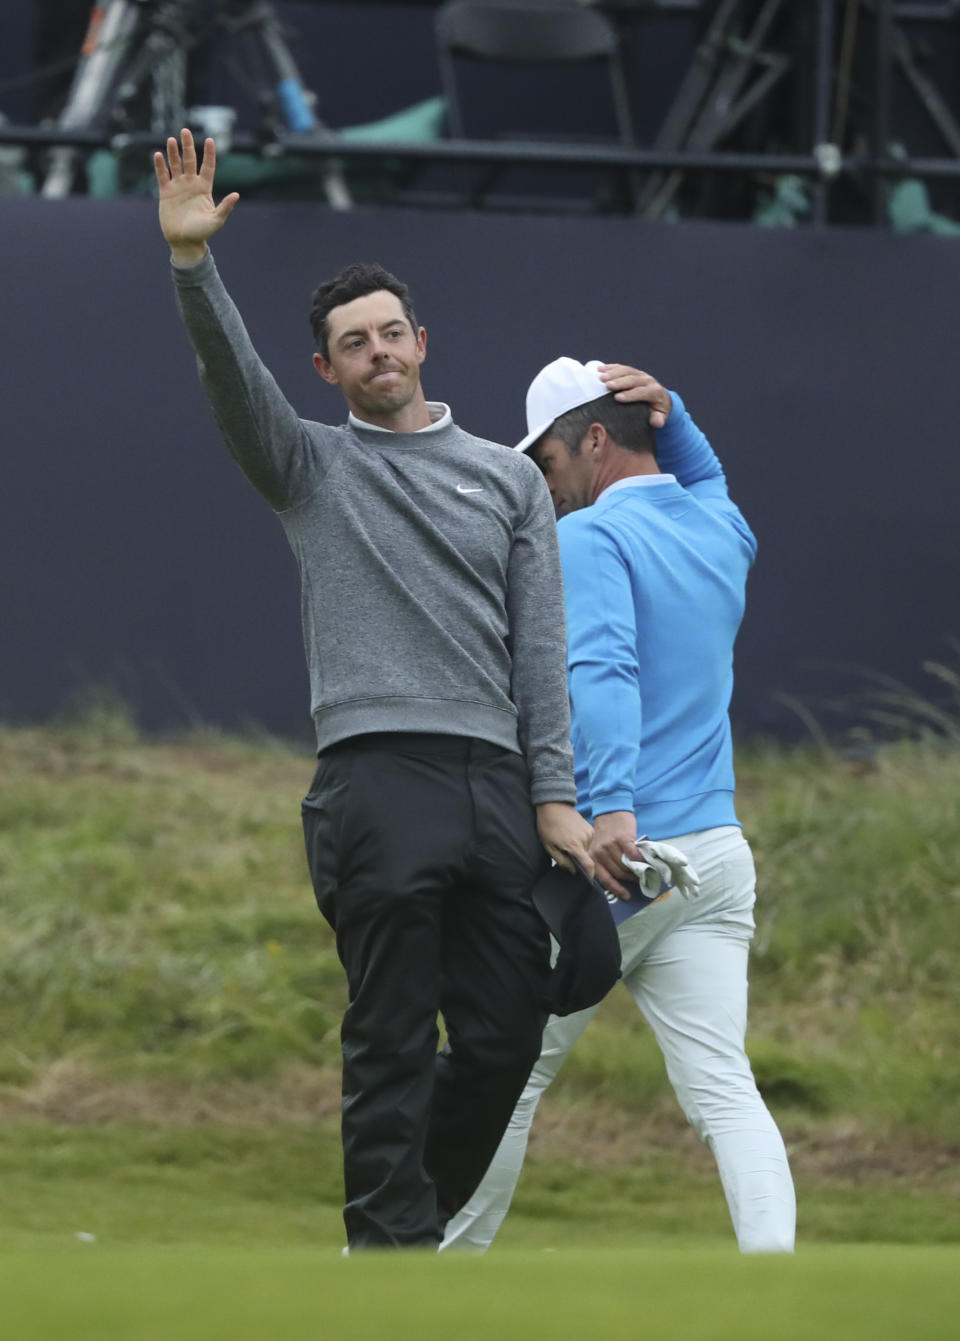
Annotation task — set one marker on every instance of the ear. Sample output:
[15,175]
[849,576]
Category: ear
[326,369]
[421,344]
[597,439]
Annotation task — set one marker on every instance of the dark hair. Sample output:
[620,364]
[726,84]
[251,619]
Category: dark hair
[627,424]
[356,281]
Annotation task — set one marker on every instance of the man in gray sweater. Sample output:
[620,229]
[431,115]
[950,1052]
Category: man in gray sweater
[433,626]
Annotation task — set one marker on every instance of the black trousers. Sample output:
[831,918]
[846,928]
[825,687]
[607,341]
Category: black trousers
[423,850]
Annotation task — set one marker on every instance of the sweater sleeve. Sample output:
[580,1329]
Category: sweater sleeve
[262,431]
[537,646]
[683,450]
[604,674]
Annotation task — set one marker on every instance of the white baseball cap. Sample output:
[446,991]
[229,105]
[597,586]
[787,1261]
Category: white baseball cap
[561,386]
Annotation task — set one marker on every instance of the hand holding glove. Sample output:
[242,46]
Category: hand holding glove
[662,867]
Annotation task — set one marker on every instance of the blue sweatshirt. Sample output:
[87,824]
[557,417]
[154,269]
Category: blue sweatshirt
[654,579]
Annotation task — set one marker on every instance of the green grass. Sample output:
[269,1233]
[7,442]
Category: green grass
[852,1294]
[170,1002]
[156,910]
[151,1185]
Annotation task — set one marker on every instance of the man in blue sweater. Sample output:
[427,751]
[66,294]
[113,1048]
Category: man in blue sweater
[655,559]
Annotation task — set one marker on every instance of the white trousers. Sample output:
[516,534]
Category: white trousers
[685,965]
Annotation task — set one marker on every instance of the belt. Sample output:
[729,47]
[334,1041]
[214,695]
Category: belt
[420,742]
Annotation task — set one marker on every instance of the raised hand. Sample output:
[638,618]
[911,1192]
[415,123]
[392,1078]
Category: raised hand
[188,215]
[630,384]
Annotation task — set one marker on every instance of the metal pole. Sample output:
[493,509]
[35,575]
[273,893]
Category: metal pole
[845,72]
[524,152]
[109,37]
[295,100]
[822,87]
[882,91]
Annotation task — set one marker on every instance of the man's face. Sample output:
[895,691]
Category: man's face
[374,354]
[569,478]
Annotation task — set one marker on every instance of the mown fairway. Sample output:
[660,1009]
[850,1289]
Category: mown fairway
[841,1293]
[169,1013]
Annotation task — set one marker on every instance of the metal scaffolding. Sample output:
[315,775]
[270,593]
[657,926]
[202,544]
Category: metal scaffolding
[738,65]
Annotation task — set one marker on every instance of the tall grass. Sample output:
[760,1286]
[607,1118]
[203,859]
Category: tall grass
[158,919]
[162,962]
[156,912]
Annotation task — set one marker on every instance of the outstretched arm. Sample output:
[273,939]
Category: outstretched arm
[261,430]
[188,215]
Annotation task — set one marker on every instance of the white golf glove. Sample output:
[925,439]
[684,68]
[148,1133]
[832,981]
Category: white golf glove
[662,867]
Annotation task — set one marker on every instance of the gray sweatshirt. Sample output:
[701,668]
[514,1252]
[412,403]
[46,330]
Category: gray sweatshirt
[431,595]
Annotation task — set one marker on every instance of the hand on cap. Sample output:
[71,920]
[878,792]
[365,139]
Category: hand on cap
[630,385]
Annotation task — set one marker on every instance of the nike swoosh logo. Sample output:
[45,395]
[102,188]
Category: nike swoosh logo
[463,489]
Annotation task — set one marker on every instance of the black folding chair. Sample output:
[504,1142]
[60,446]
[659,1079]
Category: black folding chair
[533,33]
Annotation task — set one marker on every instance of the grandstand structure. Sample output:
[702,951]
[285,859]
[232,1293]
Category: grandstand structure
[774,110]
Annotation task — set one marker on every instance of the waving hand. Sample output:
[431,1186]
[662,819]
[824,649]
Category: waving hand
[188,215]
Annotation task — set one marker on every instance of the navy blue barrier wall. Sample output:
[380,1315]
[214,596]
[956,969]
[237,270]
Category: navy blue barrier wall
[133,553]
